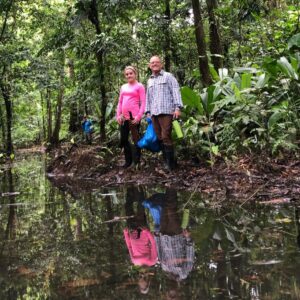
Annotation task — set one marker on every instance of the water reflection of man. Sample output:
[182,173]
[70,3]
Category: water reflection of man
[297,217]
[175,247]
[138,238]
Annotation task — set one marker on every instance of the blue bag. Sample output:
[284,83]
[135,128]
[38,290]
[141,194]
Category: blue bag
[149,141]
[155,205]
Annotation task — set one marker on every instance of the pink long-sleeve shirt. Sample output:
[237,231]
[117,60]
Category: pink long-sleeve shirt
[143,250]
[132,99]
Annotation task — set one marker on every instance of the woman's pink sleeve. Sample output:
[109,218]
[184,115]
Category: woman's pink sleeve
[142,96]
[119,108]
[127,240]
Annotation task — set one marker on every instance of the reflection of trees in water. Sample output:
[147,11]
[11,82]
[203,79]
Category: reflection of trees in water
[67,244]
[11,228]
[10,231]
[8,249]
[238,249]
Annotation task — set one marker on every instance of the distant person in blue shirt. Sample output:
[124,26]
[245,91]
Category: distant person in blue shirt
[87,129]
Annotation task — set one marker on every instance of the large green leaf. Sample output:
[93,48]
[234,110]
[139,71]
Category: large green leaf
[214,74]
[223,73]
[271,66]
[236,91]
[261,81]
[294,41]
[287,68]
[245,70]
[295,63]
[275,117]
[209,97]
[246,81]
[192,99]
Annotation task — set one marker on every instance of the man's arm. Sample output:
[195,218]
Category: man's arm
[175,91]
[176,95]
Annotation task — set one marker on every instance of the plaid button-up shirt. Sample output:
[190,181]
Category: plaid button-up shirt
[163,94]
[176,254]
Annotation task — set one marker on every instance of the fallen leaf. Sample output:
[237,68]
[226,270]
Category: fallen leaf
[10,194]
[22,270]
[276,201]
[284,220]
[81,282]
[265,262]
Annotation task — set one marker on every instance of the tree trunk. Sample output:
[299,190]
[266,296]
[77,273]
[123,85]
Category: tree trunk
[8,8]
[167,44]
[93,17]
[55,135]
[201,46]
[74,118]
[2,125]
[5,89]
[49,115]
[216,48]
[44,134]
[4,86]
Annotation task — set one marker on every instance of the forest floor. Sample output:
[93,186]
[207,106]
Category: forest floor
[244,179]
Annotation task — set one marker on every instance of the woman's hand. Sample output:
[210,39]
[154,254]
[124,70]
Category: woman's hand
[135,121]
[120,119]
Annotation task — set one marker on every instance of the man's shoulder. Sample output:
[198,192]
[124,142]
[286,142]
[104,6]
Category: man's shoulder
[165,73]
[168,75]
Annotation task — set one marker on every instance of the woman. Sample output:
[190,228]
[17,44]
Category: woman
[139,240]
[130,110]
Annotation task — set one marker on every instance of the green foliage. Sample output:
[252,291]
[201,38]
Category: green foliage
[248,108]
[191,99]
[294,41]
[255,110]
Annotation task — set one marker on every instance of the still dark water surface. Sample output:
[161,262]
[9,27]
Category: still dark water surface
[139,243]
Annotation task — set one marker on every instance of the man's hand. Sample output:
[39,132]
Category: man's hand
[176,114]
[186,233]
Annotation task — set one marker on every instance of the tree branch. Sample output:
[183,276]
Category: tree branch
[5,19]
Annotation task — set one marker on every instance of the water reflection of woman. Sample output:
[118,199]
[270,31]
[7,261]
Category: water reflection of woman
[175,247]
[138,238]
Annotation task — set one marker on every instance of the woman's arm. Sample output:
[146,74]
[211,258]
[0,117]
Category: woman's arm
[128,242]
[153,246]
[119,107]
[142,96]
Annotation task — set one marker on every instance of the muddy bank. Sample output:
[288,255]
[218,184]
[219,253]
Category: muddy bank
[242,180]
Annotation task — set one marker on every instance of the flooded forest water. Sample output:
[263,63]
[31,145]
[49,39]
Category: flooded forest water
[133,242]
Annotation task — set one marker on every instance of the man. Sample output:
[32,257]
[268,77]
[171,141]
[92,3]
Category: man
[87,129]
[163,103]
[175,246]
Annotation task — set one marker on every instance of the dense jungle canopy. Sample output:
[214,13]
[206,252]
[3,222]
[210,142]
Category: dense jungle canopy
[237,63]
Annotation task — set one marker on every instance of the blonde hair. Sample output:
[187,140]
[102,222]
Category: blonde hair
[131,68]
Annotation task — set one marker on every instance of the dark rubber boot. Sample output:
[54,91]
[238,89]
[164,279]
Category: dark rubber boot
[164,156]
[163,150]
[128,156]
[136,155]
[171,163]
